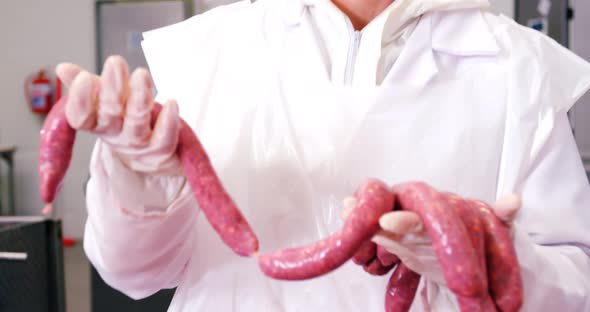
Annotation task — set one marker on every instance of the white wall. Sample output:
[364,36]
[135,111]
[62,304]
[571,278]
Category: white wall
[505,7]
[35,34]
[201,6]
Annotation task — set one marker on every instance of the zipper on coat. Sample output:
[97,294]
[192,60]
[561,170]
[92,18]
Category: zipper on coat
[353,49]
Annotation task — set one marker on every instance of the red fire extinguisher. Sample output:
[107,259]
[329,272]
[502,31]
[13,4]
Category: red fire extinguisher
[38,91]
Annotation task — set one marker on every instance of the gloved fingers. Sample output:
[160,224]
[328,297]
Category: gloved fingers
[390,243]
[416,239]
[348,203]
[401,222]
[420,249]
[427,266]
[507,207]
[160,154]
[82,101]
[388,235]
[136,125]
[418,244]
[429,260]
[113,96]
[165,136]
[67,72]
[415,251]
[404,254]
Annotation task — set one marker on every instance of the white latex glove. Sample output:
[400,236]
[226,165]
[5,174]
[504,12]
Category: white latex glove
[404,235]
[117,109]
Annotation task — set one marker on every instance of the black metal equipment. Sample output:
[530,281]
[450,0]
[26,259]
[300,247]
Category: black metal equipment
[560,14]
[107,299]
[31,265]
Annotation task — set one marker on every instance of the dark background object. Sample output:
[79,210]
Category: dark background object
[7,208]
[37,283]
[107,299]
[525,10]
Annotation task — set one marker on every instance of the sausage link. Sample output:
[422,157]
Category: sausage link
[375,267]
[503,269]
[366,253]
[219,208]
[450,239]
[57,141]
[373,200]
[385,257]
[401,289]
[472,221]
[55,152]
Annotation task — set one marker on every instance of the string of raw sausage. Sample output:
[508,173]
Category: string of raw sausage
[503,270]
[373,200]
[57,142]
[401,289]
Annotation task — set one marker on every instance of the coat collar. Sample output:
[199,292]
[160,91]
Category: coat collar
[463,33]
[459,33]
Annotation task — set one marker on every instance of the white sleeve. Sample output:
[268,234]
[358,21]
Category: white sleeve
[552,237]
[140,229]
[551,232]
[540,161]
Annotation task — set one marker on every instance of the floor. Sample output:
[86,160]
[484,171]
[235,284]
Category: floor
[77,271]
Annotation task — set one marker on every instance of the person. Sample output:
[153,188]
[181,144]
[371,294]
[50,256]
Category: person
[297,102]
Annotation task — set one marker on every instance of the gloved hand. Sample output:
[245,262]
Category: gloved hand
[117,109]
[404,235]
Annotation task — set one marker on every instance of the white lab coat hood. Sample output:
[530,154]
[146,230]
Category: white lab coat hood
[468,106]
[410,8]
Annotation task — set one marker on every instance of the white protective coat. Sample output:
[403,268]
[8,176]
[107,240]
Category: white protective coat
[441,91]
